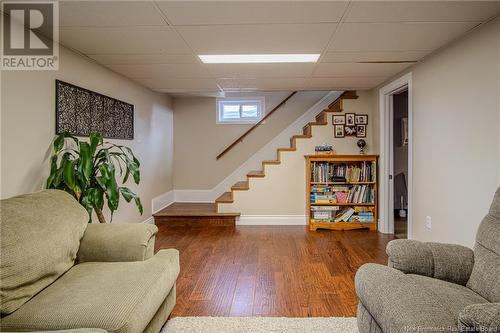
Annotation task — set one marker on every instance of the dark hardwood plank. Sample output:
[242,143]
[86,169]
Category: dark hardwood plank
[269,270]
[196,209]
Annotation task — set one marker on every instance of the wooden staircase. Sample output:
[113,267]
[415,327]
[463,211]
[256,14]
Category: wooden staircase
[321,120]
[203,213]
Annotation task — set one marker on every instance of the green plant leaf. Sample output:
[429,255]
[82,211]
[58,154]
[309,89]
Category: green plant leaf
[95,140]
[112,193]
[87,170]
[59,143]
[134,170]
[86,202]
[86,160]
[69,174]
[128,195]
[139,204]
[98,198]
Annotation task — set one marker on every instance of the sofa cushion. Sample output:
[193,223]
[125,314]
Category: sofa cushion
[485,274]
[40,236]
[399,302]
[115,296]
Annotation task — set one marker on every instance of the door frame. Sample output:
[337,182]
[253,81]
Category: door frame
[386,188]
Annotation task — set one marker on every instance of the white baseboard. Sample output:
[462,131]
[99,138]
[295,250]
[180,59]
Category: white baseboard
[272,220]
[162,201]
[150,220]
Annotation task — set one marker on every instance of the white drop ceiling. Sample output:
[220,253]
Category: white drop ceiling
[156,42]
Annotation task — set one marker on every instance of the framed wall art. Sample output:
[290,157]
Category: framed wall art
[361,119]
[350,130]
[338,119]
[350,119]
[339,131]
[361,131]
[80,111]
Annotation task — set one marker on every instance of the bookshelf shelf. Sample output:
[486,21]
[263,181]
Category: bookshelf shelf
[339,183]
[342,204]
[350,179]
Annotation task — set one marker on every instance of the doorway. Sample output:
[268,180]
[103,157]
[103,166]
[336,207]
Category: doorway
[396,158]
[399,158]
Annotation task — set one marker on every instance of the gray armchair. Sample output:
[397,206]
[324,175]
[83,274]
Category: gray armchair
[433,287]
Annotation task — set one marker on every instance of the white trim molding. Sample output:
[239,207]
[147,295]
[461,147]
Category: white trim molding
[162,201]
[272,220]
[267,152]
[385,162]
[150,220]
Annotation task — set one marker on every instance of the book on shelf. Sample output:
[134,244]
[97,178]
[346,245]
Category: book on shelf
[344,214]
[342,192]
[324,213]
[355,194]
[343,172]
[347,214]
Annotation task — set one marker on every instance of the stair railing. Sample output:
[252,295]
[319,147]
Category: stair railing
[240,139]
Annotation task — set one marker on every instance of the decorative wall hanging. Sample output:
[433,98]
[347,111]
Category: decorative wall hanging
[339,119]
[350,124]
[339,131]
[361,131]
[350,119]
[80,112]
[350,131]
[361,119]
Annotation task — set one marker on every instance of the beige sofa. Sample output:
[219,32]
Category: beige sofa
[59,272]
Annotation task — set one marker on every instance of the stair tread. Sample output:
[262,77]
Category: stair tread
[318,123]
[225,198]
[287,149]
[334,110]
[256,173]
[242,185]
[271,162]
[302,136]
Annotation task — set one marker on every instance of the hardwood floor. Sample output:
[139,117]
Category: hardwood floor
[269,270]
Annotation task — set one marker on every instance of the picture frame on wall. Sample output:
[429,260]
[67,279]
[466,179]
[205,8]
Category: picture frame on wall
[361,131]
[350,130]
[350,119]
[361,119]
[339,131]
[338,119]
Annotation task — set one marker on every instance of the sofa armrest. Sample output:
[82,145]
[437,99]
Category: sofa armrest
[484,317]
[446,262]
[117,242]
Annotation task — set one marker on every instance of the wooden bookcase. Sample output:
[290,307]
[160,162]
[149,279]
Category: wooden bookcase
[320,170]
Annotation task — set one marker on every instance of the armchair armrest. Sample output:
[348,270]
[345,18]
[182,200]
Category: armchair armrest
[484,317]
[446,262]
[117,242]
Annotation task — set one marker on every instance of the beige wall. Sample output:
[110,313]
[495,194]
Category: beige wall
[198,139]
[456,126]
[282,191]
[28,120]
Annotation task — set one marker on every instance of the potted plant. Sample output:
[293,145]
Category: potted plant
[87,170]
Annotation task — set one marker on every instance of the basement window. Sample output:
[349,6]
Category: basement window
[240,110]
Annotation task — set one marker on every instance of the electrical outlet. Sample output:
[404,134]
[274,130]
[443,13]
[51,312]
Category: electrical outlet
[428,222]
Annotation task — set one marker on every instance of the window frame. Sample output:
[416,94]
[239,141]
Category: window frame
[260,100]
